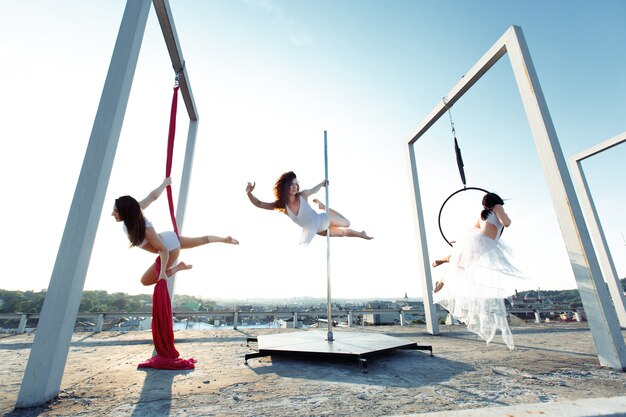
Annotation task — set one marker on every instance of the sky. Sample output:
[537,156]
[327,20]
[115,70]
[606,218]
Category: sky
[268,78]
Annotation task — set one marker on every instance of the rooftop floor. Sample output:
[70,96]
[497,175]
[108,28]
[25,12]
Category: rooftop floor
[552,371]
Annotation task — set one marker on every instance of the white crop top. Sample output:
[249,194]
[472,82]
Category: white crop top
[493,219]
[148,223]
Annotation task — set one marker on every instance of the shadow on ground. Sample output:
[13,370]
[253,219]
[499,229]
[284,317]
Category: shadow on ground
[399,368]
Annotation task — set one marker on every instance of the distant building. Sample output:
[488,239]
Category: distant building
[374,319]
[531,300]
[380,304]
[288,323]
[407,303]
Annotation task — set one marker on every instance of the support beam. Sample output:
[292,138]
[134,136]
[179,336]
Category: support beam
[601,315]
[21,328]
[181,206]
[99,323]
[46,363]
[430,310]
[164,14]
[595,226]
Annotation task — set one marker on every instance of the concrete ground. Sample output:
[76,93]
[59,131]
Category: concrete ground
[553,371]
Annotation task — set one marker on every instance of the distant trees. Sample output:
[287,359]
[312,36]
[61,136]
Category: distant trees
[31,302]
[23,302]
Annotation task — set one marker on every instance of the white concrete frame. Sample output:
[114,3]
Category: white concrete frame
[598,308]
[595,227]
[48,356]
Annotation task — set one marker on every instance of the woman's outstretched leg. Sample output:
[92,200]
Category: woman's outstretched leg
[346,232]
[339,225]
[443,260]
[336,218]
[193,242]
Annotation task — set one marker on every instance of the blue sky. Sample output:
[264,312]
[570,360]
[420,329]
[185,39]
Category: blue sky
[268,78]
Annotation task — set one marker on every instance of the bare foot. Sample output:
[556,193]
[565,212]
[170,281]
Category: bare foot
[183,266]
[319,204]
[180,267]
[231,240]
[439,262]
[365,236]
[438,286]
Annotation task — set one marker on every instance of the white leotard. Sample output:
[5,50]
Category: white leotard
[169,238]
[310,220]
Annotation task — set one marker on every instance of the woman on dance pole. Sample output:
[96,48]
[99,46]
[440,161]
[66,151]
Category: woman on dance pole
[480,275]
[294,203]
[167,245]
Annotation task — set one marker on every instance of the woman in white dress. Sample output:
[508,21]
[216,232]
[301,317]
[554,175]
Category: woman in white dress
[294,203]
[480,275]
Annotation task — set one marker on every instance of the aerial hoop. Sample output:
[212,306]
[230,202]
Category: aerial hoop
[460,166]
[446,201]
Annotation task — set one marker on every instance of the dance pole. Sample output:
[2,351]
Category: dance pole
[330,307]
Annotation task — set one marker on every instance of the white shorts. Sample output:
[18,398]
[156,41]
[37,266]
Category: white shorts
[170,240]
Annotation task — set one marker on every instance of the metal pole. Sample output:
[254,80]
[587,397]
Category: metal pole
[330,307]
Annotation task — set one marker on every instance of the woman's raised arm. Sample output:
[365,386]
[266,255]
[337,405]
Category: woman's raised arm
[498,210]
[306,193]
[154,194]
[256,201]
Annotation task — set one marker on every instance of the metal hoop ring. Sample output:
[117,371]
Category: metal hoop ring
[444,204]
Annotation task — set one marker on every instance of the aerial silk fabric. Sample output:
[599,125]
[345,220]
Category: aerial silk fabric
[170,153]
[167,356]
[477,279]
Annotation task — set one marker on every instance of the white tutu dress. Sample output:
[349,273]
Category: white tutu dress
[479,276]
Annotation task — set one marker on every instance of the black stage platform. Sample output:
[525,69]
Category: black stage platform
[359,346]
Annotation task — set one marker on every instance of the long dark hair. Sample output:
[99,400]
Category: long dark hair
[281,190]
[130,212]
[489,201]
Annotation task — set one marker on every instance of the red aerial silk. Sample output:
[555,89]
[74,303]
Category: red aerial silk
[167,356]
[170,154]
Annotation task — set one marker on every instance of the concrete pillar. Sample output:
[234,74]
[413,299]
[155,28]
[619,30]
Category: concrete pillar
[99,323]
[577,316]
[402,321]
[295,319]
[46,363]
[537,317]
[430,310]
[450,320]
[21,328]
[350,318]
[235,320]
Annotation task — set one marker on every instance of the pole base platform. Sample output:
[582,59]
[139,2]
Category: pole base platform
[359,346]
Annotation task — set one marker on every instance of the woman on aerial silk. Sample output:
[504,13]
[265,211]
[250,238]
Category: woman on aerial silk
[167,245]
[294,203]
[481,275]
